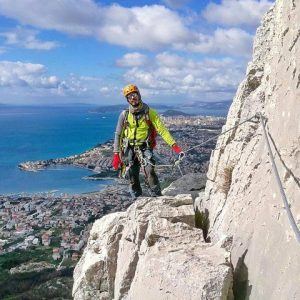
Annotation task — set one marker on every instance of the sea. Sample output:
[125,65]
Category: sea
[29,133]
[38,133]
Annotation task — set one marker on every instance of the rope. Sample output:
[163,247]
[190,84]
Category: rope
[215,137]
[183,153]
[283,195]
[176,163]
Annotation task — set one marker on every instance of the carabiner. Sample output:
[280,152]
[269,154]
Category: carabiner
[181,155]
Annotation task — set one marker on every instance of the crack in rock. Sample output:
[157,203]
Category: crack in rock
[295,41]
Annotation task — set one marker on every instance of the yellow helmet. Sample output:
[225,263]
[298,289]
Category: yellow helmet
[130,88]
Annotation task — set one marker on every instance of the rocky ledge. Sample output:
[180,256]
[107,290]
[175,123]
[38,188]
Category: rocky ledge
[32,267]
[153,251]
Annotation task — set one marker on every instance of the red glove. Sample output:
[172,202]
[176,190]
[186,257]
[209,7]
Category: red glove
[116,162]
[176,149]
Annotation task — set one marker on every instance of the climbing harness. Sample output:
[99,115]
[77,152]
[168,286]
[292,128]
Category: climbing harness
[141,158]
[144,158]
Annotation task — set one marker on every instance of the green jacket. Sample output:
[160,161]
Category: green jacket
[137,129]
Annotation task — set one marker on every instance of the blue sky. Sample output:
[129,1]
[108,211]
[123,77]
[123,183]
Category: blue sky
[85,51]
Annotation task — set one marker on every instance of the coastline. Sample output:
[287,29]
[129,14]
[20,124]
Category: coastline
[60,224]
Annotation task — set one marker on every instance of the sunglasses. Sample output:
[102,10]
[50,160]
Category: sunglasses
[132,96]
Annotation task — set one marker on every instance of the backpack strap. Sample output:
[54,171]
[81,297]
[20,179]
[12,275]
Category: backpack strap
[147,117]
[125,118]
[152,133]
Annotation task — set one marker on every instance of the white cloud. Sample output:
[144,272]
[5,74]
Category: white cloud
[104,89]
[171,74]
[147,27]
[237,12]
[21,74]
[26,38]
[69,16]
[151,27]
[167,60]
[233,41]
[33,79]
[133,59]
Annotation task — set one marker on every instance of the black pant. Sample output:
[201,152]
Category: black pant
[151,178]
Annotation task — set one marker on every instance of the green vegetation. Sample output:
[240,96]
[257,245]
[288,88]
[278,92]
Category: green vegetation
[32,285]
[77,230]
[68,262]
[16,241]
[56,212]
[18,257]
[227,178]
[4,274]
[91,219]
[202,222]
[105,152]
[46,284]
[57,231]
[55,242]
[36,228]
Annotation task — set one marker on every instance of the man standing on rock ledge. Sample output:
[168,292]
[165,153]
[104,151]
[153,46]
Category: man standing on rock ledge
[135,141]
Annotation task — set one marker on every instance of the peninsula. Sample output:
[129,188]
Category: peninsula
[43,235]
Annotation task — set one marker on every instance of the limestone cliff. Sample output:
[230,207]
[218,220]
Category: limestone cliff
[153,251]
[241,194]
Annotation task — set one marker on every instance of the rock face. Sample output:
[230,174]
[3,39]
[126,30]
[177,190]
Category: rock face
[241,195]
[191,183]
[152,251]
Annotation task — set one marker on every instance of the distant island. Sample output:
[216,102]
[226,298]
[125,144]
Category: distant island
[209,105]
[120,107]
[108,108]
[174,113]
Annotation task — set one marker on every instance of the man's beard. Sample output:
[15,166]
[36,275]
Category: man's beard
[137,108]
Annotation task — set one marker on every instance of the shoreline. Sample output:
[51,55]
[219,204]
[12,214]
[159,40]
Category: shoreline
[58,224]
[59,194]
[188,130]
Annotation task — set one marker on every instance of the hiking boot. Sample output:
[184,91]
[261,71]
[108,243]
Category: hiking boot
[155,191]
[134,194]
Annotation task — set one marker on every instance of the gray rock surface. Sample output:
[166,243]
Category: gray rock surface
[191,183]
[265,252]
[152,251]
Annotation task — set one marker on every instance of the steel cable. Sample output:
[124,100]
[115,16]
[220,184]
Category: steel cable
[283,195]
